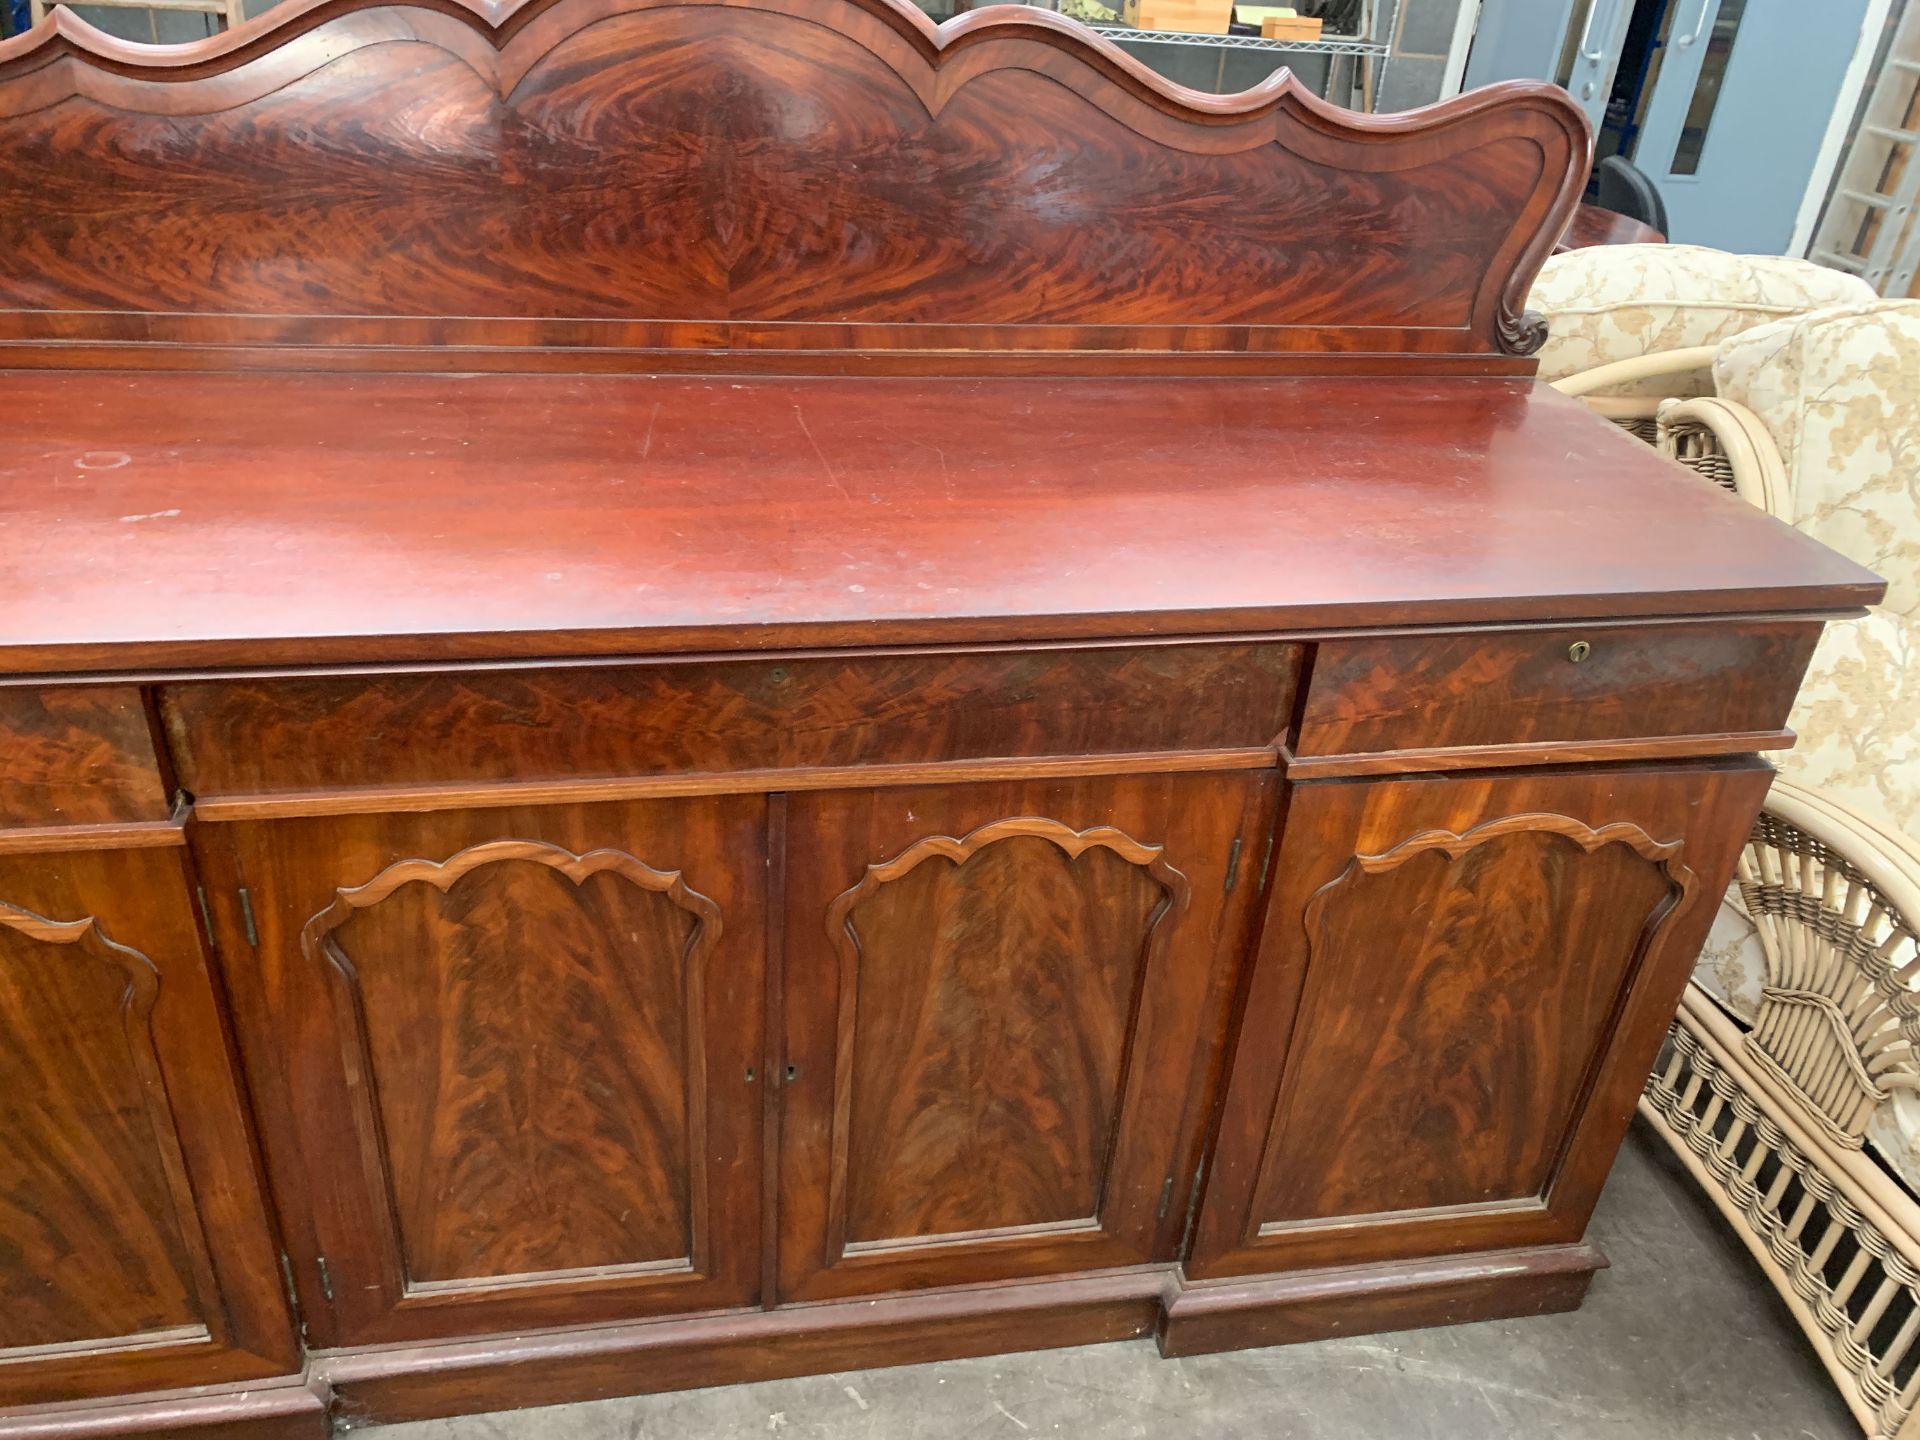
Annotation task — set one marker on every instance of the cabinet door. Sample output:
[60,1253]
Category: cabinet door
[1002,1003]
[135,1250]
[508,1058]
[1461,985]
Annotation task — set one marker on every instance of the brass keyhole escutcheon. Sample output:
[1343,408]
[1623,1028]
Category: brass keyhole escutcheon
[1578,651]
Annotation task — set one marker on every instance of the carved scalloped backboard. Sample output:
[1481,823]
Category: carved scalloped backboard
[797,185]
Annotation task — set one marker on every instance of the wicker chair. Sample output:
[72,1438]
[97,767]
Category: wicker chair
[1788,1084]
[1629,326]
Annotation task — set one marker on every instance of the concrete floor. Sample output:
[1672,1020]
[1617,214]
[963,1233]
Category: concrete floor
[1681,1340]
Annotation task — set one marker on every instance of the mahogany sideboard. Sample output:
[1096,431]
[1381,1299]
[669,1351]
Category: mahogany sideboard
[693,691]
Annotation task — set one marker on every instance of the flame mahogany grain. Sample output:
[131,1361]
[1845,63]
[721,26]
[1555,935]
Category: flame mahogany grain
[454,1020]
[138,1253]
[817,681]
[263,737]
[1441,951]
[677,182]
[77,755]
[1632,683]
[989,991]
[535,1103]
[104,1159]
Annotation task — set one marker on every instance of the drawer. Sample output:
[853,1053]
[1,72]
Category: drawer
[1560,685]
[278,736]
[77,755]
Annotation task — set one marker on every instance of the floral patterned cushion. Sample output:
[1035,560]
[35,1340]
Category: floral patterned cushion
[1618,302]
[1839,392]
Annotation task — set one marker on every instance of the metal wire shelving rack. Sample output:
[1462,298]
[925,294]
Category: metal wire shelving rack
[1328,45]
[1356,63]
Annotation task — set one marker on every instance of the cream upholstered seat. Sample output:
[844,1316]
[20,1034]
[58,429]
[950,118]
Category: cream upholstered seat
[1839,394]
[1631,325]
[1827,406]
[1791,1083]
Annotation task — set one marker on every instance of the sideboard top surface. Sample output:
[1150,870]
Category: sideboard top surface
[156,520]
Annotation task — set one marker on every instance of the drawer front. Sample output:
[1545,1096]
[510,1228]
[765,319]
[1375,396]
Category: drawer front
[1555,685]
[77,755]
[260,737]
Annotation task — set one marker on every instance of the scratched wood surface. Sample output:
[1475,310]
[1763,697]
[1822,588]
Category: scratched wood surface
[1050,414]
[662,177]
[301,519]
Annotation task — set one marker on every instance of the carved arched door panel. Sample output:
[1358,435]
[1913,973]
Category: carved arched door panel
[977,978]
[90,1166]
[1464,957]
[1459,989]
[137,1254]
[528,1086]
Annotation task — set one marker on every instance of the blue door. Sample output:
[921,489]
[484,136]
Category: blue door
[1739,108]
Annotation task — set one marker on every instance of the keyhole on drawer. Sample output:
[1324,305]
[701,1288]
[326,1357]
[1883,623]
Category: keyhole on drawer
[1579,651]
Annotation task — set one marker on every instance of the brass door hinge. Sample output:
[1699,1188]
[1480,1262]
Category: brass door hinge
[1193,1205]
[246,917]
[293,1296]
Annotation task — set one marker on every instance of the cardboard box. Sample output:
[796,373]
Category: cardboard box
[1294,27]
[1199,17]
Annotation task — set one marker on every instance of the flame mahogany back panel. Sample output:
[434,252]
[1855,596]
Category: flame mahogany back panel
[629,182]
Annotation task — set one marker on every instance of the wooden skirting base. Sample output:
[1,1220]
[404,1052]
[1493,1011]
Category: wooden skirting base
[1198,1319]
[422,1382]
[418,1382]
[291,1409]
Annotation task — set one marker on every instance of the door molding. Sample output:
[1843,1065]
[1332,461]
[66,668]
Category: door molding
[842,931]
[317,943]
